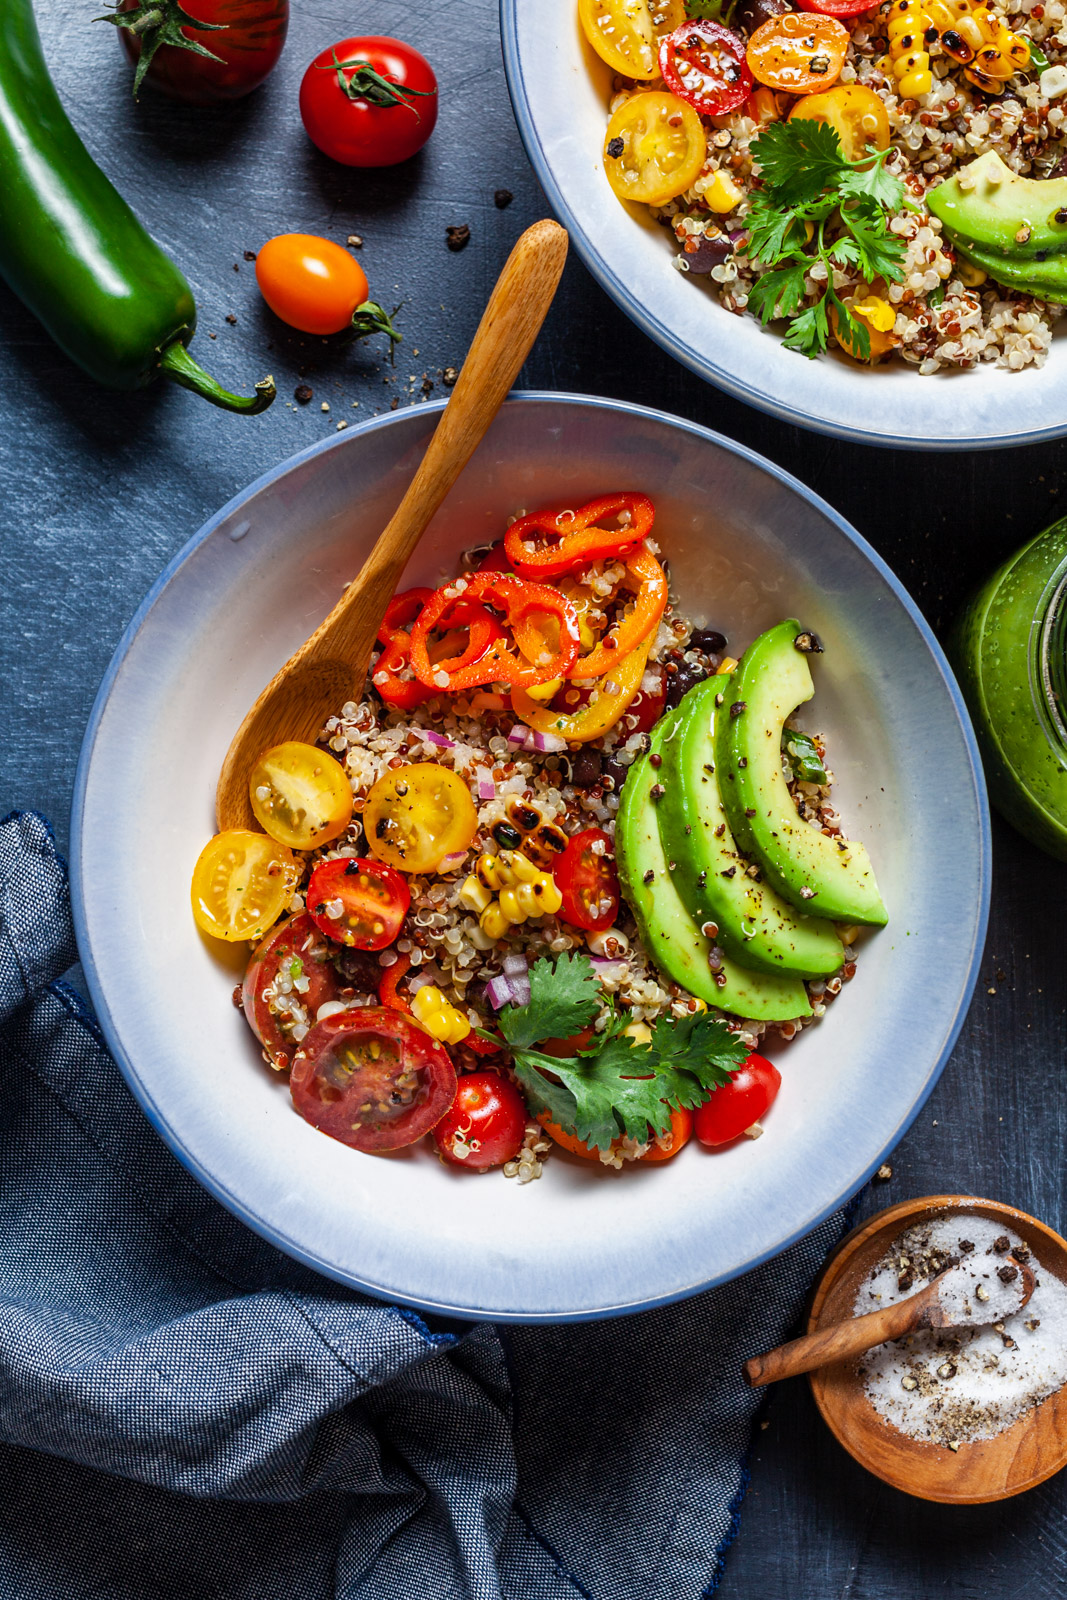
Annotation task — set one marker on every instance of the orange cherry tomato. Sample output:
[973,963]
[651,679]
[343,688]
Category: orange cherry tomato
[680,1134]
[311,283]
[798,52]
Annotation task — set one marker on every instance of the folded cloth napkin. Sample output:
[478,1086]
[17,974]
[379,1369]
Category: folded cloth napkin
[186,1412]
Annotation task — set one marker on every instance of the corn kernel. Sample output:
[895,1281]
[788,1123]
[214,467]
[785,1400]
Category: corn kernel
[522,867]
[913,84]
[639,1032]
[440,1019]
[474,895]
[510,907]
[493,921]
[551,899]
[723,194]
[726,666]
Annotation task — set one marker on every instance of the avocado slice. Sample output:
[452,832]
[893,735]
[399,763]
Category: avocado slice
[671,937]
[755,926]
[1014,228]
[811,871]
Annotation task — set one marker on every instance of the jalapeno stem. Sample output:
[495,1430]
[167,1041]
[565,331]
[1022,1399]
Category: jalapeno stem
[176,363]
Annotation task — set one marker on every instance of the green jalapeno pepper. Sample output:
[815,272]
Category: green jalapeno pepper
[73,251]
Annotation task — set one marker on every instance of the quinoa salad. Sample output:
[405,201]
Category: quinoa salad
[955,258]
[505,902]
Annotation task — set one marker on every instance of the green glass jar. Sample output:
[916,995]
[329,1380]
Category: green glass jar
[1009,649]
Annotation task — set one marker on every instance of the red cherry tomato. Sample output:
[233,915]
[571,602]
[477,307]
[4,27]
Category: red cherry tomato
[358,902]
[647,707]
[586,878]
[743,1101]
[485,1125]
[704,63]
[372,1079]
[369,102]
[248,49]
[275,996]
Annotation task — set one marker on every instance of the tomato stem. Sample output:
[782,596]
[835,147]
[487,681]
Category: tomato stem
[176,363]
[367,83]
[161,22]
[370,318]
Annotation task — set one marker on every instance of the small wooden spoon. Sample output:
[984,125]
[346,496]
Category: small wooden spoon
[845,1339]
[332,664]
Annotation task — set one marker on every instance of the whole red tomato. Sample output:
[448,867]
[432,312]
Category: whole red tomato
[369,102]
[249,40]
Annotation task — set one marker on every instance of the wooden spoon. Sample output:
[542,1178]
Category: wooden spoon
[332,665]
[845,1339]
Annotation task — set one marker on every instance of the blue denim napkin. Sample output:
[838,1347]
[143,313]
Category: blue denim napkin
[186,1412]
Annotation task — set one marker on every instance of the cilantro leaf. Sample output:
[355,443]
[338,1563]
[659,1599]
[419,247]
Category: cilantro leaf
[779,292]
[772,233]
[880,253]
[845,251]
[850,330]
[564,999]
[872,182]
[798,160]
[615,1086]
[809,331]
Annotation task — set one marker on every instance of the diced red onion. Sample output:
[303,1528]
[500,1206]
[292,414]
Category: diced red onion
[449,863]
[520,991]
[499,993]
[439,739]
[516,966]
[549,742]
[486,787]
[608,966]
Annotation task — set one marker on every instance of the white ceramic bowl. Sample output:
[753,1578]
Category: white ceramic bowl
[560,91]
[747,545]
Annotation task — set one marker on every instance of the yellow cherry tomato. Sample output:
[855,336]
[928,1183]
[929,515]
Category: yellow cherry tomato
[856,115]
[300,795]
[242,883]
[798,52]
[417,817]
[655,148]
[311,283]
[626,33]
[879,316]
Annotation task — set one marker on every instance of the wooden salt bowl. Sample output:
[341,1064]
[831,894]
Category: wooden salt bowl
[1021,1457]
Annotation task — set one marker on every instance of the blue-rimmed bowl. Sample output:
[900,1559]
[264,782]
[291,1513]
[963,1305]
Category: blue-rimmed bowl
[560,91]
[747,545]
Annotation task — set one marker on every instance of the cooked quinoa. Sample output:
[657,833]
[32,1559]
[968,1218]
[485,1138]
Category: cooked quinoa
[932,138]
[443,939]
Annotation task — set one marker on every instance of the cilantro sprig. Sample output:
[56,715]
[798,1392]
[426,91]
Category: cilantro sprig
[613,1086]
[817,206]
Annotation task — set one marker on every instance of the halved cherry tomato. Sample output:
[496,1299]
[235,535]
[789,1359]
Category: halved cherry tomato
[705,64]
[361,903]
[647,705]
[300,795]
[856,114]
[836,8]
[624,33]
[242,882]
[372,1079]
[739,1104]
[654,148]
[417,816]
[680,1133]
[485,1124]
[798,52]
[586,878]
[288,978]
[369,102]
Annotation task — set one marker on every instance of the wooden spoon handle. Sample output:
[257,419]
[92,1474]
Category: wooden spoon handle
[510,324]
[838,1343]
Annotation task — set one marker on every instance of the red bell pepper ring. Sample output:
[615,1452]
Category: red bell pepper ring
[395,659]
[388,981]
[518,600]
[577,537]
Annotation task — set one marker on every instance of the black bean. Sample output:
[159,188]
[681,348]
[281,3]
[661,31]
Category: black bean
[708,640]
[700,255]
[586,768]
[686,678]
[752,14]
[613,772]
[360,968]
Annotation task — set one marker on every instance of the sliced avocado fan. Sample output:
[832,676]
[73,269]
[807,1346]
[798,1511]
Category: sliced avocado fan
[1014,228]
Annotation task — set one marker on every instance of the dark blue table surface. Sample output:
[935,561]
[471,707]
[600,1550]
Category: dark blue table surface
[98,491]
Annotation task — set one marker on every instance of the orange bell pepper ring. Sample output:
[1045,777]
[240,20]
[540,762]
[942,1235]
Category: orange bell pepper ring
[601,713]
[521,604]
[647,577]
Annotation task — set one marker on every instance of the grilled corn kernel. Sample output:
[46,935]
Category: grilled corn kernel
[440,1019]
[722,194]
[550,897]
[522,868]
[493,921]
[913,84]
[474,895]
